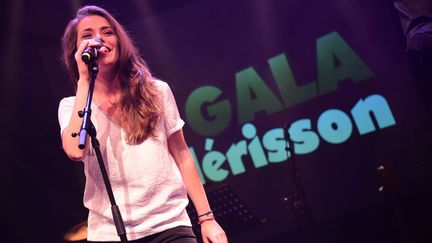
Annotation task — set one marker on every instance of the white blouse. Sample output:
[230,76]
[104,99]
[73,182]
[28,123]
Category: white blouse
[146,182]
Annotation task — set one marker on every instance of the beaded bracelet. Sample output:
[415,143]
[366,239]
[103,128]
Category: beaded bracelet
[210,216]
[203,220]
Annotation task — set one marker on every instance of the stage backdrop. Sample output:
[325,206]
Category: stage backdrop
[329,75]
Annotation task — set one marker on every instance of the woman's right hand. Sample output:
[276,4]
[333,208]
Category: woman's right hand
[82,67]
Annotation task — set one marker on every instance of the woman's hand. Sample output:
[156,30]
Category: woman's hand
[212,232]
[82,67]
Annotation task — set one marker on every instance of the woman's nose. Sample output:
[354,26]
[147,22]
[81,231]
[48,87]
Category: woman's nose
[99,37]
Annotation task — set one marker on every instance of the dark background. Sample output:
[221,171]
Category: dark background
[205,42]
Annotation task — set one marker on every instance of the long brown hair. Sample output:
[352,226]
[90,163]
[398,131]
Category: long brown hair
[139,101]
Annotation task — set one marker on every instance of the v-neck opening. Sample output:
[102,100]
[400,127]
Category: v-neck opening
[107,117]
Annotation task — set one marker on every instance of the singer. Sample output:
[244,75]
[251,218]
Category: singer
[141,139]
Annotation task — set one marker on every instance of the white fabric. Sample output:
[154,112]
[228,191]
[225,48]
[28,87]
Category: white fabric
[145,179]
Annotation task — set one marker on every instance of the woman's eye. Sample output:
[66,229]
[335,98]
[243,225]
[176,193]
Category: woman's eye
[108,32]
[86,36]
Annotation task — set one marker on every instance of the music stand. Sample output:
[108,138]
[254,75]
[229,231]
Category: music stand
[230,211]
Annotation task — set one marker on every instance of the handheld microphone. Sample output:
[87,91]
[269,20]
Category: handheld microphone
[90,53]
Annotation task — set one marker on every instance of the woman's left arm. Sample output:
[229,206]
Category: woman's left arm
[210,229]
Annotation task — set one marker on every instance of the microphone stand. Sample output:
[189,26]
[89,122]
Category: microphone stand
[299,204]
[87,127]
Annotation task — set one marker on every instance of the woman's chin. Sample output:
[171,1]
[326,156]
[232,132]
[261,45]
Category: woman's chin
[106,63]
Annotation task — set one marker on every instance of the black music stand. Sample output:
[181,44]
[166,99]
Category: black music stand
[230,211]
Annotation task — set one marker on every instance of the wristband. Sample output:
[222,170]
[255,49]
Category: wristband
[205,214]
[204,220]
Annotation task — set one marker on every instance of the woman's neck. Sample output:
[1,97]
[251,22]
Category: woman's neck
[107,89]
[107,96]
[107,84]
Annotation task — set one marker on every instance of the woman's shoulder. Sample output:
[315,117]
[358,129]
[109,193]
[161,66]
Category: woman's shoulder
[67,101]
[69,98]
[159,84]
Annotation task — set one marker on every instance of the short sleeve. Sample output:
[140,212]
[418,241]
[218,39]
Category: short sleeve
[64,112]
[171,115]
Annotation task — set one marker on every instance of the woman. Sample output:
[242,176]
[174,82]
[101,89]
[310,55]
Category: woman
[140,132]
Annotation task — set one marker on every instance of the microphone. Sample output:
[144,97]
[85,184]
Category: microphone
[90,53]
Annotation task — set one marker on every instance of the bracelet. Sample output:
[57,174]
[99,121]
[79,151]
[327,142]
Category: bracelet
[210,216]
[205,214]
[203,220]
